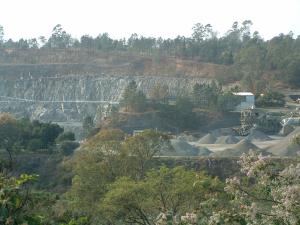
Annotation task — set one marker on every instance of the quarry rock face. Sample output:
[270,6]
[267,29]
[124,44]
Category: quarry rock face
[64,98]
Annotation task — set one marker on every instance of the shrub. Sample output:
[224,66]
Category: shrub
[68,147]
[296,140]
[35,144]
[66,136]
[270,99]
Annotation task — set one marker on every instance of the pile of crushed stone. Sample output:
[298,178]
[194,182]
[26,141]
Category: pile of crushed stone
[223,132]
[183,148]
[286,147]
[286,130]
[208,139]
[187,137]
[202,151]
[243,146]
[256,135]
[227,140]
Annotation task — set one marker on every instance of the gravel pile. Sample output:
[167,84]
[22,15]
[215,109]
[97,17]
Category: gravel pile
[208,139]
[183,148]
[256,135]
[227,140]
[244,146]
[286,147]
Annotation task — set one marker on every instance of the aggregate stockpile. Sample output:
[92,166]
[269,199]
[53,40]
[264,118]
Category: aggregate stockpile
[286,147]
[63,94]
[244,146]
[183,148]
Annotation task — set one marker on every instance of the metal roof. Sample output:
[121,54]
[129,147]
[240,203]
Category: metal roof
[243,93]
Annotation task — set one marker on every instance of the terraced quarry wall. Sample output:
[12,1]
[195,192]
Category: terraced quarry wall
[69,92]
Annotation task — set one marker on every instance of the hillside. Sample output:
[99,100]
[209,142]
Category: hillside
[74,61]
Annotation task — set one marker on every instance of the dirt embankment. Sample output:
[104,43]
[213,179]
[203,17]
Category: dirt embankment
[75,61]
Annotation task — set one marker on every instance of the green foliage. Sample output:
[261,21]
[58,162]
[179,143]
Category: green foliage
[15,201]
[133,99]
[296,140]
[269,124]
[127,201]
[88,126]
[169,191]
[66,136]
[9,134]
[179,116]
[206,94]
[1,35]
[96,164]
[159,93]
[270,99]
[293,71]
[17,135]
[80,221]
[59,38]
[35,144]
[46,132]
[68,147]
[227,101]
[143,147]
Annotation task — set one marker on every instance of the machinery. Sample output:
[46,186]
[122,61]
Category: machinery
[247,119]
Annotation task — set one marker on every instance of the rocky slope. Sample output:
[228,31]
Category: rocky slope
[64,93]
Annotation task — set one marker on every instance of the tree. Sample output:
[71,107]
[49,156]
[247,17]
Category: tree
[159,93]
[201,32]
[143,147]
[66,136]
[227,101]
[245,29]
[43,40]
[293,71]
[95,164]
[59,38]
[35,144]
[68,147]
[184,115]
[88,125]
[49,132]
[15,201]
[128,201]
[1,35]
[133,99]
[266,194]
[270,99]
[33,43]
[9,135]
[206,94]
[163,191]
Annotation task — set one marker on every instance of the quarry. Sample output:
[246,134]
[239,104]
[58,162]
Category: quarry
[66,93]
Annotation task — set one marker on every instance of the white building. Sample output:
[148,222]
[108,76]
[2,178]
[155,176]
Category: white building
[247,101]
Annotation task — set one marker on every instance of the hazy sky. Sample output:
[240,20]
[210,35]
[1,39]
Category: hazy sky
[166,18]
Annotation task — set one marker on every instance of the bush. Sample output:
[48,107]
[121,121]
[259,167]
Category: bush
[227,101]
[35,144]
[296,140]
[66,136]
[68,147]
[270,99]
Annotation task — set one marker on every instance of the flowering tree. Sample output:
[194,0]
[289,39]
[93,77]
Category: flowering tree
[264,195]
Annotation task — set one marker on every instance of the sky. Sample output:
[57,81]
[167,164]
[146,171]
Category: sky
[155,18]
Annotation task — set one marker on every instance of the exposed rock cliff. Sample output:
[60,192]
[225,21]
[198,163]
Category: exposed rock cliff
[54,93]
